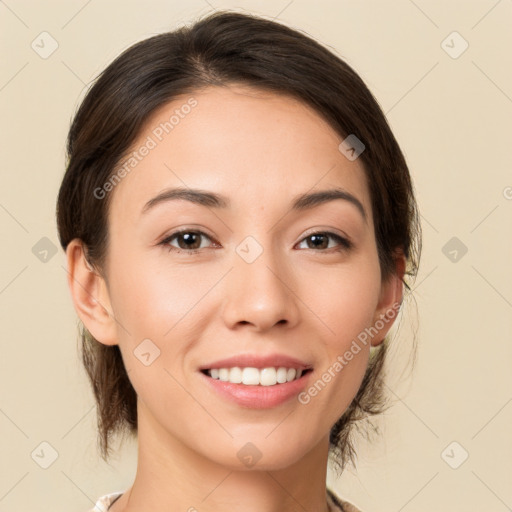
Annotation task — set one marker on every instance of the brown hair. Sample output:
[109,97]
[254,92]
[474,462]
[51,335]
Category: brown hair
[227,48]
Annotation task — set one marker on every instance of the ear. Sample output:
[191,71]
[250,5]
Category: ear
[391,295]
[90,295]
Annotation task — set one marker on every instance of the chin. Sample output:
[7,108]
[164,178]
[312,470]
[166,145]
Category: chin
[260,455]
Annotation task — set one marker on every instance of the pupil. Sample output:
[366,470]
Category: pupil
[189,237]
[317,238]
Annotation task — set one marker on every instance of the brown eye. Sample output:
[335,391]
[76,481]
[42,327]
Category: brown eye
[320,240]
[187,241]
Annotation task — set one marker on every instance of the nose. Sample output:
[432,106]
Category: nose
[260,292]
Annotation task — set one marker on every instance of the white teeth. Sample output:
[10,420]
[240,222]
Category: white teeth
[281,375]
[235,375]
[268,377]
[254,376]
[251,376]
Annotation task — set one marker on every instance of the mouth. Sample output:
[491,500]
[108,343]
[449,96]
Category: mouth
[252,376]
[257,388]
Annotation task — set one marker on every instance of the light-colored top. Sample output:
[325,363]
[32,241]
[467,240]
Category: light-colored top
[103,503]
[335,504]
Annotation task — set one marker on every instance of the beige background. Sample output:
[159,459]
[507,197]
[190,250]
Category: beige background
[452,117]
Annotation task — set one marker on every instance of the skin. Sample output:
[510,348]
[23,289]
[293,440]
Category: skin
[260,150]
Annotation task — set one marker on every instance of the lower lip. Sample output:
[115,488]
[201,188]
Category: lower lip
[258,397]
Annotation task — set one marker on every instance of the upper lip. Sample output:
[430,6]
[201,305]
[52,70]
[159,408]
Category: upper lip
[258,361]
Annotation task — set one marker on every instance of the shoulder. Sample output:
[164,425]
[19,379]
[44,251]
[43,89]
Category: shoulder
[340,505]
[103,503]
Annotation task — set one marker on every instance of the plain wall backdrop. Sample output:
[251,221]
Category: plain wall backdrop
[441,71]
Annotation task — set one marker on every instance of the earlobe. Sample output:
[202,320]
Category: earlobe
[390,300]
[90,295]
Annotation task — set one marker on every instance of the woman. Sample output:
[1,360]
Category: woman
[238,221]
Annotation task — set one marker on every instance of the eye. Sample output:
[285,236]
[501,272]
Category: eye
[320,240]
[189,241]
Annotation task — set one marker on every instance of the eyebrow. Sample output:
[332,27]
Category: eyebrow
[301,202]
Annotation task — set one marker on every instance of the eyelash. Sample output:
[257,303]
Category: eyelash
[344,242]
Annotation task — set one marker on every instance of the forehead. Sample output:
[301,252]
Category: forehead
[255,147]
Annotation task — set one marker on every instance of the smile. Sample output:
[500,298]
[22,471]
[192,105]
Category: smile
[251,376]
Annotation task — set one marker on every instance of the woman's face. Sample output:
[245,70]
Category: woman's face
[246,278]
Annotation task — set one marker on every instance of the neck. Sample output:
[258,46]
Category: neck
[173,477]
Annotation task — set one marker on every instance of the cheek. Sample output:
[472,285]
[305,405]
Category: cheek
[344,301]
[158,310]
[153,298]
[167,305]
